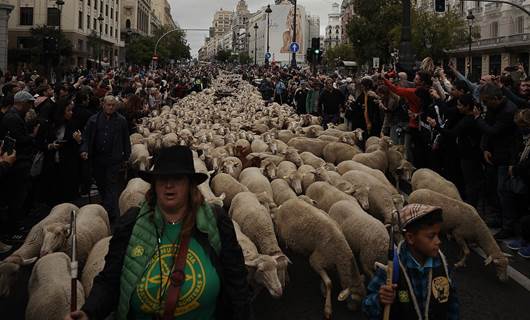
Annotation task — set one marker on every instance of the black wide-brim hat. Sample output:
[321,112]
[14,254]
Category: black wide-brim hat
[172,161]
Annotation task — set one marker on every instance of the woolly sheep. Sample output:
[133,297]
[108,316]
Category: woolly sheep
[287,170]
[325,195]
[255,181]
[367,236]
[346,166]
[50,288]
[30,249]
[94,264]
[223,183]
[428,179]
[133,194]
[312,145]
[92,225]
[281,191]
[462,221]
[377,159]
[204,187]
[256,222]
[336,152]
[139,158]
[312,160]
[136,138]
[310,231]
[231,166]
[263,269]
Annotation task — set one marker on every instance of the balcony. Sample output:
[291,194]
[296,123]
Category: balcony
[514,40]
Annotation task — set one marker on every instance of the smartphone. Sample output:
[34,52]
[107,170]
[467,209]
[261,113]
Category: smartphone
[8,145]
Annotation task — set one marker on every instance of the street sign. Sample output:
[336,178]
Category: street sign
[376,62]
[294,47]
[267,55]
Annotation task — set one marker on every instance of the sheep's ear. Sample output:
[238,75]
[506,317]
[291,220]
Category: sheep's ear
[252,263]
[222,196]
[343,295]
[26,262]
[488,260]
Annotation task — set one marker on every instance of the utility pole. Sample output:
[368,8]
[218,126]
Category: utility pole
[268,11]
[405,48]
[293,61]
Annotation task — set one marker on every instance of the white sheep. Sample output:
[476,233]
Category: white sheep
[310,231]
[50,288]
[133,194]
[94,264]
[281,191]
[377,159]
[428,179]
[223,183]
[336,152]
[204,187]
[262,269]
[312,160]
[92,225]
[312,145]
[136,138]
[462,221]
[256,222]
[287,170]
[255,181]
[346,166]
[231,166]
[30,249]
[325,195]
[139,158]
[367,236]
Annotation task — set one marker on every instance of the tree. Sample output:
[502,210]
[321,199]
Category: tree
[223,55]
[244,58]
[342,52]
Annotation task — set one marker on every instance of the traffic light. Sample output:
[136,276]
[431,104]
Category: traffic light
[309,55]
[439,5]
[319,53]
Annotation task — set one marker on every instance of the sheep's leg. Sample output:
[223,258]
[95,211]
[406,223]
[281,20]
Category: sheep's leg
[316,265]
[465,250]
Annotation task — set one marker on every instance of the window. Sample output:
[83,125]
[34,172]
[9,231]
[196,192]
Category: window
[116,33]
[116,15]
[107,10]
[94,26]
[111,31]
[112,13]
[88,21]
[101,7]
[24,42]
[96,4]
[53,17]
[80,45]
[88,3]
[80,21]
[519,25]
[106,29]
[494,29]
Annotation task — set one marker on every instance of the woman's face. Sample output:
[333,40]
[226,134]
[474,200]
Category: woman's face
[68,112]
[463,109]
[172,192]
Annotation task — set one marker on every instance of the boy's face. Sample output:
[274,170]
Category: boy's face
[426,240]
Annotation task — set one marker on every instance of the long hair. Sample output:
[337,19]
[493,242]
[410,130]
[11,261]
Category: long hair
[195,200]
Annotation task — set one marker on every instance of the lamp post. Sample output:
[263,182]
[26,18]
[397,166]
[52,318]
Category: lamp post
[293,61]
[406,52]
[128,39]
[268,11]
[470,19]
[256,44]
[60,4]
[100,19]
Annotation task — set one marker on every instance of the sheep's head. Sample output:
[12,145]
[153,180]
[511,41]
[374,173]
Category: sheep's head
[293,156]
[330,167]
[231,166]
[266,274]
[268,169]
[500,261]
[312,132]
[405,170]
[321,174]
[295,181]
[398,200]
[55,237]
[308,200]
[361,193]
[9,271]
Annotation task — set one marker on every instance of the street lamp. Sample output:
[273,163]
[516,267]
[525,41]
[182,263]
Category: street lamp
[60,4]
[268,11]
[256,44]
[293,61]
[470,19]
[100,19]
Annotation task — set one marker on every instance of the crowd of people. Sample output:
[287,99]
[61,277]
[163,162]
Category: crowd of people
[61,139]
[477,135]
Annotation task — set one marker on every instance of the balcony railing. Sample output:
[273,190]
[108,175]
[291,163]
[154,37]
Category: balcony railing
[506,41]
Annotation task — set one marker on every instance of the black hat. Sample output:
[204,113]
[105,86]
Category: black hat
[176,160]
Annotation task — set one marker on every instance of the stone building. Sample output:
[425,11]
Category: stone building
[333,36]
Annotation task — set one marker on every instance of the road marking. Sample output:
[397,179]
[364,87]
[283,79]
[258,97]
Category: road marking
[518,277]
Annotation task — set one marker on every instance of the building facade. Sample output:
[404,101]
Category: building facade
[136,17]
[78,20]
[240,33]
[333,36]
[222,22]
[162,11]
[347,11]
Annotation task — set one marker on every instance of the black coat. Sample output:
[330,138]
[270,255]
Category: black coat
[13,124]
[234,299]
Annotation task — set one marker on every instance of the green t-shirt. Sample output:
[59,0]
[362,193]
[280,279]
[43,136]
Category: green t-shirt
[198,294]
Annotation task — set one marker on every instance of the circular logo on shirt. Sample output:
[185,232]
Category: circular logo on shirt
[153,282]
[440,289]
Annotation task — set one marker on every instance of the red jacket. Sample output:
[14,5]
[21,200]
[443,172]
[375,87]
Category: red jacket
[409,94]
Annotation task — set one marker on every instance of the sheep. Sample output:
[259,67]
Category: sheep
[292,155]
[377,159]
[255,181]
[281,191]
[256,222]
[461,221]
[223,183]
[336,152]
[232,166]
[367,236]
[346,166]
[204,187]
[302,144]
[133,195]
[325,137]
[259,145]
[285,135]
[50,288]
[325,195]
[268,168]
[340,183]
[136,138]
[139,157]
[28,253]
[310,231]
[428,179]
[382,203]
[94,264]
[287,170]
[372,144]
[170,139]
[312,160]
[92,225]
[262,269]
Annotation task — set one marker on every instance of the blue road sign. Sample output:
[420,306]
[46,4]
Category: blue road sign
[294,47]
[267,55]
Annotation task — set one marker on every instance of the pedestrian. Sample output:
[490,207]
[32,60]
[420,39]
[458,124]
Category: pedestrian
[107,146]
[369,102]
[300,97]
[174,222]
[422,287]
[330,102]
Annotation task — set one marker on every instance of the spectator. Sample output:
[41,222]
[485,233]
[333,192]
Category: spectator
[106,145]
[311,103]
[369,102]
[330,103]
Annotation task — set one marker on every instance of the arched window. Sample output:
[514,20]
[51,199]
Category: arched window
[128,23]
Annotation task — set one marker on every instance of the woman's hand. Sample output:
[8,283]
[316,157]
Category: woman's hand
[476,112]
[77,315]
[77,136]
[431,122]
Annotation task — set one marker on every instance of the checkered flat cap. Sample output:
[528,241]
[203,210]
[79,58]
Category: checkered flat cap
[414,211]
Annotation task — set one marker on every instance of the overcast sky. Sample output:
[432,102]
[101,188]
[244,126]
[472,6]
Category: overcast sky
[199,14]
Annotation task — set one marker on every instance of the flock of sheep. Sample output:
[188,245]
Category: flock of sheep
[286,183]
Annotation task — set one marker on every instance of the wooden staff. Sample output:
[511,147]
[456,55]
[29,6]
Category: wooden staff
[73,263]
[389,270]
